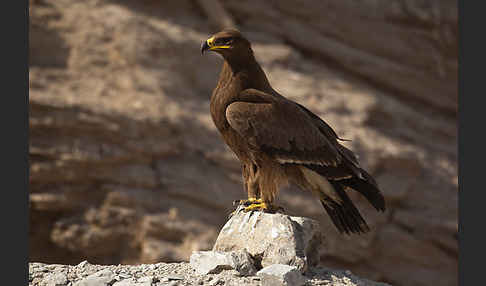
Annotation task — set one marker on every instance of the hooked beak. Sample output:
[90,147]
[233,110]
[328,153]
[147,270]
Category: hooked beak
[209,45]
[204,47]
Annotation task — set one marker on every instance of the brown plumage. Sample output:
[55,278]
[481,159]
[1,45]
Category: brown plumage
[279,141]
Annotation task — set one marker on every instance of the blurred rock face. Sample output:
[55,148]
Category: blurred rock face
[127,167]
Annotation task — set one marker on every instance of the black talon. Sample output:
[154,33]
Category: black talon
[243,202]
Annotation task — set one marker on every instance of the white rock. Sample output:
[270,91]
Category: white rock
[174,277]
[56,279]
[275,238]
[126,282]
[149,279]
[281,275]
[205,262]
[83,263]
[101,278]
[122,276]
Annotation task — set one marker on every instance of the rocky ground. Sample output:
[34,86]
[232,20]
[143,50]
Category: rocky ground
[127,167]
[173,274]
[253,248]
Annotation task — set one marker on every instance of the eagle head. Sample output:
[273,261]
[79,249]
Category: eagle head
[228,43]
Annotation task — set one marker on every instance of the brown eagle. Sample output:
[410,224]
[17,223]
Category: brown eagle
[279,141]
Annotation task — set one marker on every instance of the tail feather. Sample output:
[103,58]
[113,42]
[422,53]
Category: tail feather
[337,203]
[368,188]
[344,214]
[366,185]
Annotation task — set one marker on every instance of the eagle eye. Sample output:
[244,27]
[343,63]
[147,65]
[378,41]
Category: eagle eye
[223,41]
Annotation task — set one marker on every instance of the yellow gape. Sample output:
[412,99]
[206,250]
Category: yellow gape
[211,45]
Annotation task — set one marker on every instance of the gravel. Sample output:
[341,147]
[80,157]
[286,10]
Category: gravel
[173,274]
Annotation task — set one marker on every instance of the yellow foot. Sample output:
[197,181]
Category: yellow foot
[257,206]
[244,205]
[248,202]
[254,204]
[265,207]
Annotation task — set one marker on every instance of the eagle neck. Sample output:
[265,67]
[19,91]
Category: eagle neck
[246,72]
[233,79]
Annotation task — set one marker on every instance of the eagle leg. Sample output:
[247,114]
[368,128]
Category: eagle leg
[250,179]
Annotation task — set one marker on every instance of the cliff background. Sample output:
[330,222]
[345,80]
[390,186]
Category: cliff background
[127,167]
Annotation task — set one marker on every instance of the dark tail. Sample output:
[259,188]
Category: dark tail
[344,215]
[368,188]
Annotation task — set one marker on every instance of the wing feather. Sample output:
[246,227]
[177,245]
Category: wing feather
[281,129]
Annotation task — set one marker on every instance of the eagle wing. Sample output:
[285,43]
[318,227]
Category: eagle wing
[281,129]
[291,134]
